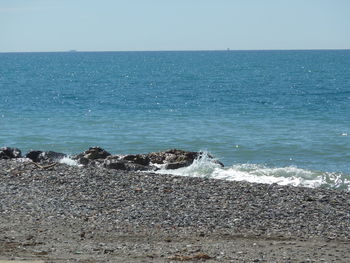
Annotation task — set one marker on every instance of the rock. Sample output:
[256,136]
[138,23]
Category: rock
[173,156]
[141,159]
[9,153]
[115,157]
[33,155]
[136,167]
[177,165]
[219,163]
[51,156]
[94,153]
[41,156]
[170,159]
[124,165]
[83,161]
[174,159]
[91,155]
[114,164]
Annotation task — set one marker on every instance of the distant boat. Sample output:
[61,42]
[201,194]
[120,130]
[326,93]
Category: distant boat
[73,50]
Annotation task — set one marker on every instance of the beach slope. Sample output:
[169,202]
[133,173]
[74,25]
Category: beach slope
[62,213]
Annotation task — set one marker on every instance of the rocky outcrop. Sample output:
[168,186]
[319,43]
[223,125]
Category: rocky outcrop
[35,156]
[42,156]
[170,159]
[9,153]
[96,156]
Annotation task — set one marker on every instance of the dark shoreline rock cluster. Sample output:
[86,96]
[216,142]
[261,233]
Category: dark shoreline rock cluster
[98,157]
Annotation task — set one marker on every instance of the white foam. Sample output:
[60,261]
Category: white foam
[201,167]
[207,168]
[67,160]
[159,166]
[260,174]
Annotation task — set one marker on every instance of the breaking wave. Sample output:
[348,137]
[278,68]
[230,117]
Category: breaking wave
[206,167]
[67,160]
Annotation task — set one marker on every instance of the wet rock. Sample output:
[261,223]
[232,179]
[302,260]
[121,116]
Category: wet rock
[177,165]
[170,159]
[83,161]
[174,159]
[115,164]
[42,156]
[118,164]
[51,156]
[89,156]
[94,153]
[33,155]
[136,167]
[9,153]
[141,159]
[219,163]
[173,156]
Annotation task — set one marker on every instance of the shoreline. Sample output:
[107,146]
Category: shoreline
[93,214]
[184,163]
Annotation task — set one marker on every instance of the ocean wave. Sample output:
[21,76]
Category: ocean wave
[206,167]
[69,161]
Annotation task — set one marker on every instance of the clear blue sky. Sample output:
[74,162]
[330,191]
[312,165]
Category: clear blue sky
[97,25]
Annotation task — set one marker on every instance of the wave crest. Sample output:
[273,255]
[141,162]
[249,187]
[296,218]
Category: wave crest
[206,167]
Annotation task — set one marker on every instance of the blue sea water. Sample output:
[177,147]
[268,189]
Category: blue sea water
[269,116]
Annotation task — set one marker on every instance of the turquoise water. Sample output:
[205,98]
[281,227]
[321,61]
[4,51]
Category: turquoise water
[254,110]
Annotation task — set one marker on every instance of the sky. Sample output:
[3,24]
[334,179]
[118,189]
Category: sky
[129,25]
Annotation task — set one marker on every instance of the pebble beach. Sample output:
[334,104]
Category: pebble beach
[62,213]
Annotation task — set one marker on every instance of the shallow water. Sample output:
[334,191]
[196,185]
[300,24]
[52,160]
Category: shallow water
[283,114]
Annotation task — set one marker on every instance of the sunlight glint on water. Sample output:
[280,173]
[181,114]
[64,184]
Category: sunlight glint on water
[273,116]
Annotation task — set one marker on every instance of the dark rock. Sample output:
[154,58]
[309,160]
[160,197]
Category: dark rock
[9,153]
[173,156]
[136,167]
[115,164]
[51,156]
[174,159]
[141,159]
[218,162]
[94,153]
[124,165]
[83,161]
[41,156]
[115,157]
[176,165]
[34,155]
[170,159]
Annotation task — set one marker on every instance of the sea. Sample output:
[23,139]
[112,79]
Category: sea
[270,116]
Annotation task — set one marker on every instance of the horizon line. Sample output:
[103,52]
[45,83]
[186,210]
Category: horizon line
[176,50]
